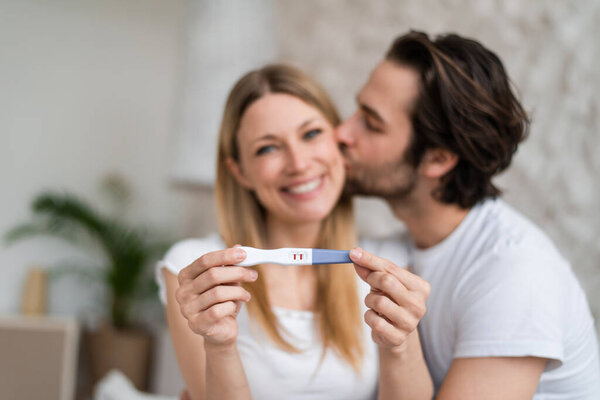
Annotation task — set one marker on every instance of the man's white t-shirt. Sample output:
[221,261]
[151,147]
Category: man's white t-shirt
[500,288]
[273,373]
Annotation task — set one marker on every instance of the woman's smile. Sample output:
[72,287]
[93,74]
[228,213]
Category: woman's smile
[305,189]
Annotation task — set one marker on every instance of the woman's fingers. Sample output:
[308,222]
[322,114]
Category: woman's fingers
[219,311]
[368,261]
[221,276]
[229,256]
[216,295]
[221,294]
[210,295]
[397,316]
[206,323]
[213,277]
[388,284]
[383,332]
[394,311]
[397,299]
[413,302]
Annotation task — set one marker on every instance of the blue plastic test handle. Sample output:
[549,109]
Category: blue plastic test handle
[326,256]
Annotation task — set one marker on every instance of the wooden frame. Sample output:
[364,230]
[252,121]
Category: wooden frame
[38,357]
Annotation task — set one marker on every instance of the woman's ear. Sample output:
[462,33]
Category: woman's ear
[438,162]
[236,171]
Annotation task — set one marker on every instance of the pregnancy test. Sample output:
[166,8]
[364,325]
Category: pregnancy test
[294,256]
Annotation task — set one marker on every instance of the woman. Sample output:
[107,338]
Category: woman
[273,331]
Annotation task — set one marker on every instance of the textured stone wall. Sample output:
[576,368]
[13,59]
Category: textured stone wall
[550,50]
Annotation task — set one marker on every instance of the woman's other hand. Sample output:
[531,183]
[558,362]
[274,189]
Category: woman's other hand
[210,295]
[396,302]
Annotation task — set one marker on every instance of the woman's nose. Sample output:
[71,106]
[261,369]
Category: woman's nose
[298,159]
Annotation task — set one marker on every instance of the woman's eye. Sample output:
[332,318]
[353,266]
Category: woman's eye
[265,149]
[312,133]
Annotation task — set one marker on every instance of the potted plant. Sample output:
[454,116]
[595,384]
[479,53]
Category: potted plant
[126,253]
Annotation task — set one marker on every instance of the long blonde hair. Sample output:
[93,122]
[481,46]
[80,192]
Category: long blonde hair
[242,219]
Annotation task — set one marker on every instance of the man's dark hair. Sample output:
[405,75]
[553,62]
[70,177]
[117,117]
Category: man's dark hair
[465,105]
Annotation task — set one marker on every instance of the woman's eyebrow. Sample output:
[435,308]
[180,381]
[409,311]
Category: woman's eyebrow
[268,136]
[308,121]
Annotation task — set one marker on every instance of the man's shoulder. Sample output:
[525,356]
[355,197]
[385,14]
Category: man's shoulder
[499,229]
[502,244]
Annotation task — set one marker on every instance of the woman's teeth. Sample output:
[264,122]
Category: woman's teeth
[305,187]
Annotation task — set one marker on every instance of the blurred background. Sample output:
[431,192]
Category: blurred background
[114,106]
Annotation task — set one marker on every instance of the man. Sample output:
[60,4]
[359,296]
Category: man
[506,318]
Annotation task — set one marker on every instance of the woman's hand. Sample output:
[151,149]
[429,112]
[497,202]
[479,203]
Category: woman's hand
[396,302]
[210,295]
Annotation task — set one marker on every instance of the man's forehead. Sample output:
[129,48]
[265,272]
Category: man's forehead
[390,85]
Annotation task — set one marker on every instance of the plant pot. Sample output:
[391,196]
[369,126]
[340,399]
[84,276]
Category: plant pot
[128,350]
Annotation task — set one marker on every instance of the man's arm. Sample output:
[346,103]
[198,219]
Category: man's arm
[491,378]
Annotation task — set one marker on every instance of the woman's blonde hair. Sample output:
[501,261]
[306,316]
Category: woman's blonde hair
[242,219]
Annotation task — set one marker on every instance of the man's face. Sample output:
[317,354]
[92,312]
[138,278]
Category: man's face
[375,139]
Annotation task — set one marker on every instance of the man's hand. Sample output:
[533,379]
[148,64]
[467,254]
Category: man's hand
[396,302]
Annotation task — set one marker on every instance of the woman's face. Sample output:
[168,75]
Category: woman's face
[289,157]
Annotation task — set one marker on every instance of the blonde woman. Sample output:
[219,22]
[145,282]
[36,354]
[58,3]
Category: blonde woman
[288,332]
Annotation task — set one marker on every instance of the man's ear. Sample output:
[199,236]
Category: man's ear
[236,171]
[438,162]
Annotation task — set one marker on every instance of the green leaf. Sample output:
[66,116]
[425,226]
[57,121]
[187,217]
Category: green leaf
[127,251]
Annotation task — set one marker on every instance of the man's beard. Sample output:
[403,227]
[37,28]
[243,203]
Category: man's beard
[394,180]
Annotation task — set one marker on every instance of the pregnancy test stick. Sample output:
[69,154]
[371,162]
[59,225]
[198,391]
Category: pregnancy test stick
[294,256]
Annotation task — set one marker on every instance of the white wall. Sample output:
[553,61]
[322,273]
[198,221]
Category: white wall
[87,88]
